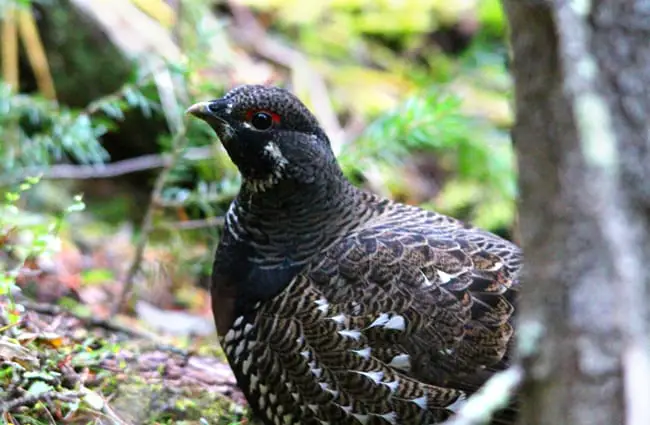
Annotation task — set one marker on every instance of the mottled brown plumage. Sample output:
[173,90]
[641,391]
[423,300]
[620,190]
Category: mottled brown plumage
[336,306]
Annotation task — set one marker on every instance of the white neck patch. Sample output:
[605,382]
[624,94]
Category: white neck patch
[273,151]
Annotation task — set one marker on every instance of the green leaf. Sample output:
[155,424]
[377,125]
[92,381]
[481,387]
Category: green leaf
[12,197]
[93,400]
[39,387]
[96,276]
[42,375]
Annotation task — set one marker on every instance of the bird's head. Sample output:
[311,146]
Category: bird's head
[269,134]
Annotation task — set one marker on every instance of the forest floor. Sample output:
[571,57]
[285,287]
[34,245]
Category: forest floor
[65,360]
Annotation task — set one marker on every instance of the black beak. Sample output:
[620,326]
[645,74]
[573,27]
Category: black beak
[200,110]
[214,112]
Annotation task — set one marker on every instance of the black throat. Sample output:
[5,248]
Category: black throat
[271,235]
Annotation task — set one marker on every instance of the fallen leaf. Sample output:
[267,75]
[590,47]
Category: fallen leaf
[12,351]
[39,387]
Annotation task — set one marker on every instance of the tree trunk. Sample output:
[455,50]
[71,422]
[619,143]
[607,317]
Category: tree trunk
[582,134]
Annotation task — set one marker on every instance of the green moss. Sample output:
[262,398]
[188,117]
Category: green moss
[142,402]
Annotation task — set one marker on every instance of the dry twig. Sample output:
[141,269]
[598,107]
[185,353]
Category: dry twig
[114,169]
[178,143]
[31,399]
[195,224]
[92,322]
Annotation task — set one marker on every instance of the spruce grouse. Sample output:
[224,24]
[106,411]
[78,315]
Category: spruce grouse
[336,306]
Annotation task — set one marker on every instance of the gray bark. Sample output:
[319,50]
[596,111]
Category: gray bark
[582,135]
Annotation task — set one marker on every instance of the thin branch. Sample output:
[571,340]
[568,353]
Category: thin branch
[90,322]
[118,168]
[212,198]
[31,399]
[105,408]
[147,222]
[195,224]
[493,396]
[113,169]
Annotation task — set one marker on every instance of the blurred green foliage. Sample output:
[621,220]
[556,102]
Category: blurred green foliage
[36,132]
[26,236]
[477,157]
[382,65]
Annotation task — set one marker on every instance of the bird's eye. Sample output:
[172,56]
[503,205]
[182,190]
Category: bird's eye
[262,120]
[213,107]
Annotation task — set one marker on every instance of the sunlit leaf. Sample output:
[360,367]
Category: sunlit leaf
[39,387]
[93,400]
